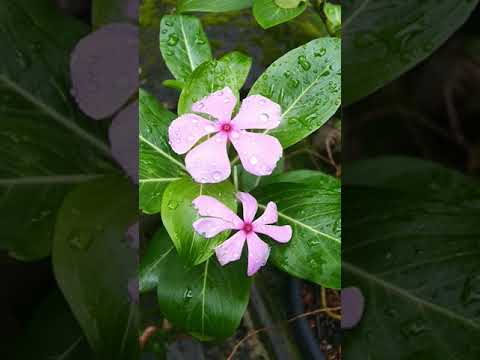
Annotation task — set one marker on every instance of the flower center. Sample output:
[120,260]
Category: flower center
[247,227]
[226,127]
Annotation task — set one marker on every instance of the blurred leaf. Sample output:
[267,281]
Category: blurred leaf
[113,11]
[53,334]
[159,165]
[178,215]
[212,5]
[268,13]
[209,77]
[411,246]
[311,206]
[306,82]
[44,143]
[93,264]
[183,44]
[207,301]
[333,13]
[382,40]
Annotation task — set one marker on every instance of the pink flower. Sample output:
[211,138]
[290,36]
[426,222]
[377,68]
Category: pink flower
[209,162]
[220,218]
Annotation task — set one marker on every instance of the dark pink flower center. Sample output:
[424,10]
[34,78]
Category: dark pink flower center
[226,127]
[247,227]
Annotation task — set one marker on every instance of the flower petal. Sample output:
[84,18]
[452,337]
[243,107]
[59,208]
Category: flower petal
[269,216]
[208,162]
[282,234]
[210,226]
[186,130]
[258,112]
[259,153]
[249,204]
[258,252]
[219,104]
[211,207]
[231,249]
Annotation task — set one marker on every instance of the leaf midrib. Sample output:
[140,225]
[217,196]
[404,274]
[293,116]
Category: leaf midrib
[407,295]
[161,152]
[187,47]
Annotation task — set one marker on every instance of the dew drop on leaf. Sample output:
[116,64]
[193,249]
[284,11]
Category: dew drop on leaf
[172,204]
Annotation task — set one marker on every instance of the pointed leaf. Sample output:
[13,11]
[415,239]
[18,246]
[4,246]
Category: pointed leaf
[213,5]
[269,13]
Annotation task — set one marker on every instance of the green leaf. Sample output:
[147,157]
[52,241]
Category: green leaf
[183,44]
[93,263]
[53,334]
[382,41]
[45,146]
[413,251]
[159,247]
[268,13]
[178,215]
[288,4]
[240,65]
[207,301]
[313,211]
[306,177]
[333,13]
[209,77]
[306,82]
[174,84]
[110,11]
[213,5]
[159,165]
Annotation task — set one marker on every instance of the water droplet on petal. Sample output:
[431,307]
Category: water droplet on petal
[195,121]
[235,135]
[190,138]
[217,175]
[253,160]
[209,128]
[264,117]
[201,105]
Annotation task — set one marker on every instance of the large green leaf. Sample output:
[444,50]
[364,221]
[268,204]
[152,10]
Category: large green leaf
[209,77]
[383,40]
[312,208]
[412,248]
[208,301]
[212,5]
[178,215]
[44,143]
[306,83]
[93,264]
[268,13]
[183,44]
[159,165]
[52,334]
[159,247]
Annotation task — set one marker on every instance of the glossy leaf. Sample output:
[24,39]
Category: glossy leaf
[46,145]
[183,44]
[93,264]
[393,38]
[159,247]
[306,82]
[159,165]
[268,13]
[207,301]
[240,65]
[207,78]
[212,5]
[178,215]
[53,334]
[413,251]
[312,208]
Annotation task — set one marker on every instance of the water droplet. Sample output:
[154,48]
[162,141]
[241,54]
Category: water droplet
[303,62]
[209,128]
[195,121]
[200,106]
[253,160]
[414,328]
[190,138]
[321,53]
[169,52]
[226,100]
[188,294]
[235,135]
[287,74]
[217,175]
[294,83]
[172,204]
[199,40]
[172,40]
[264,117]
[80,240]
[168,23]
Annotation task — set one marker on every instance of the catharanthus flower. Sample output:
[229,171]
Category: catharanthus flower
[219,218]
[209,162]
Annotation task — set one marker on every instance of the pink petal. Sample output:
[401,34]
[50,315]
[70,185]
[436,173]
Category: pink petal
[269,216]
[208,162]
[210,227]
[249,205]
[185,131]
[258,112]
[259,153]
[231,249]
[219,104]
[282,234]
[209,206]
[258,252]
